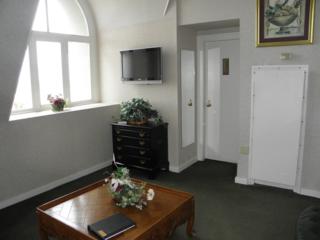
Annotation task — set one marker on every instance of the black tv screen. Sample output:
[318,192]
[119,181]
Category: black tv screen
[141,64]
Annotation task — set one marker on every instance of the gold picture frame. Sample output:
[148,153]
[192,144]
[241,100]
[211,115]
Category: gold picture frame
[284,23]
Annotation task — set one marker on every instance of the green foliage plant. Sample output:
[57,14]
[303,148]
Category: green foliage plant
[137,110]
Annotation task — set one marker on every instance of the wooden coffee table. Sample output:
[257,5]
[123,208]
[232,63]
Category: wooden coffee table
[68,217]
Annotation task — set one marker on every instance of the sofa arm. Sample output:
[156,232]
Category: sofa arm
[308,225]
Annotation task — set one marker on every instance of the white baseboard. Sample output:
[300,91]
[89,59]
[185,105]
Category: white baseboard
[273,184]
[183,166]
[174,169]
[310,193]
[249,181]
[243,181]
[52,185]
[304,191]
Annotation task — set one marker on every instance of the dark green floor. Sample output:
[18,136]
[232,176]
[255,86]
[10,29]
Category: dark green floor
[224,210]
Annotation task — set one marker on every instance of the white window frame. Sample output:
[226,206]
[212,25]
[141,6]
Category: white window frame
[63,39]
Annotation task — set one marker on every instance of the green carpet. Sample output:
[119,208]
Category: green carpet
[224,210]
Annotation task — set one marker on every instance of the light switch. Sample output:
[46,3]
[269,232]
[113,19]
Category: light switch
[244,150]
[285,56]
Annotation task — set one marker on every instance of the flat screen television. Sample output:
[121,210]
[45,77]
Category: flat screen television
[141,65]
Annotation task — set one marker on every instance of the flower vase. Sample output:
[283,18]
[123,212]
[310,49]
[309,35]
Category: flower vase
[57,108]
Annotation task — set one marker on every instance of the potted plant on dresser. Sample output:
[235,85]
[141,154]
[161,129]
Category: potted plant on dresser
[140,140]
[138,111]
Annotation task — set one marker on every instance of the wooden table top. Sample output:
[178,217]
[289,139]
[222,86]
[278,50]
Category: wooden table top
[93,203]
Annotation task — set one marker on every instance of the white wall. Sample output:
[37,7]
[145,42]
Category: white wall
[193,11]
[39,151]
[114,14]
[216,10]
[142,24]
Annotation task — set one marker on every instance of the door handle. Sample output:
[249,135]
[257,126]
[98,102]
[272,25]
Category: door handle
[190,103]
[209,103]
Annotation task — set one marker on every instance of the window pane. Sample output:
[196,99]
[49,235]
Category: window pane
[49,69]
[23,97]
[40,20]
[79,70]
[65,16]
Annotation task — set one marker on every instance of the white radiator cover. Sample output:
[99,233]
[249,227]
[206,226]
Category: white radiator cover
[278,107]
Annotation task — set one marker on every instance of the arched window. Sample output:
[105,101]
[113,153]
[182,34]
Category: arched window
[60,57]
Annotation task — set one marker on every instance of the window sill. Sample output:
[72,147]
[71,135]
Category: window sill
[16,117]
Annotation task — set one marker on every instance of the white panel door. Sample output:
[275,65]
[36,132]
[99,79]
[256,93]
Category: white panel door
[188,96]
[222,101]
[277,112]
[212,102]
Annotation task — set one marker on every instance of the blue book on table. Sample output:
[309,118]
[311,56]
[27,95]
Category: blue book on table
[111,226]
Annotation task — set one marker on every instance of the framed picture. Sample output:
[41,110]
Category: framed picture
[284,22]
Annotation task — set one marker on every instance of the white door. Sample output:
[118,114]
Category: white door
[222,100]
[188,96]
[276,127]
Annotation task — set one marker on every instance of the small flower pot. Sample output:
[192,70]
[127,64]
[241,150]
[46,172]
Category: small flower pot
[57,108]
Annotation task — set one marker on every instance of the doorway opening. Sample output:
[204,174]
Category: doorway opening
[217,90]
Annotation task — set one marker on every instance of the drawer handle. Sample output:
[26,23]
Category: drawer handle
[119,148]
[118,131]
[119,139]
[142,162]
[142,143]
[142,152]
[141,134]
[119,157]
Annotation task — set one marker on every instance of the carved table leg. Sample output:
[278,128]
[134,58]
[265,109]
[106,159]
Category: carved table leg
[190,222]
[190,226]
[43,234]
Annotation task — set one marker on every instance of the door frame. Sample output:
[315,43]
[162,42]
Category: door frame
[202,41]
[297,187]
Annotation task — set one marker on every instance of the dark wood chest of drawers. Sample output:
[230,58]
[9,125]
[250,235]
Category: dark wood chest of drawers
[144,147]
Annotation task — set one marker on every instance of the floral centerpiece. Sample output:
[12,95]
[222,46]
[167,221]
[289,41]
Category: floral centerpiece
[125,192]
[57,102]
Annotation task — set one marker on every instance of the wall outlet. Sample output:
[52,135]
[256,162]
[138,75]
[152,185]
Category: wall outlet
[244,150]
